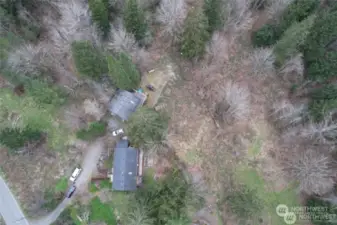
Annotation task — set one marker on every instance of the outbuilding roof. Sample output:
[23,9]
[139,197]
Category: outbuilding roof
[125,103]
[125,167]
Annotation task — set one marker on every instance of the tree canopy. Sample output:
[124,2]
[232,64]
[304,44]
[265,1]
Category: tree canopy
[123,72]
[195,34]
[89,60]
[146,125]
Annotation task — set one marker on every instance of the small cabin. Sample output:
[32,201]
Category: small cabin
[127,167]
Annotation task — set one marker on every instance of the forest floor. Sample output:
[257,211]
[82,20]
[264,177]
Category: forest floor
[246,147]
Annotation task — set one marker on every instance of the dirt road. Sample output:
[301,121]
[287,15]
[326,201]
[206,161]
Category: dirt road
[12,212]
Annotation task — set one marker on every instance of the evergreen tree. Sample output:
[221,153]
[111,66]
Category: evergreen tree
[292,39]
[134,20]
[146,125]
[319,55]
[100,14]
[14,138]
[123,72]
[212,10]
[89,60]
[195,34]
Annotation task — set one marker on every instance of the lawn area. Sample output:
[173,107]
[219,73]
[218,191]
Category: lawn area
[120,202]
[271,199]
[101,212]
[61,185]
[148,180]
[95,186]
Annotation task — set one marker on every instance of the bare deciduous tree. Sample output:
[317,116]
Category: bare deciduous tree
[262,62]
[139,215]
[324,132]
[38,60]
[313,170]
[29,60]
[217,49]
[93,108]
[286,114]
[276,7]
[121,41]
[74,25]
[171,14]
[142,59]
[293,66]
[235,106]
[237,16]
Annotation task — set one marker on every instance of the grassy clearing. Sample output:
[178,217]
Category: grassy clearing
[93,187]
[271,199]
[255,149]
[148,180]
[99,185]
[61,185]
[95,130]
[120,201]
[101,212]
[108,163]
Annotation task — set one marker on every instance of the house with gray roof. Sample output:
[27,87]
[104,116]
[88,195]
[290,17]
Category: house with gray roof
[125,167]
[124,103]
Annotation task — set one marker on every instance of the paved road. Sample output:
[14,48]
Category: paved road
[9,208]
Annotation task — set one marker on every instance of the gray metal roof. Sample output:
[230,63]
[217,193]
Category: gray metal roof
[122,144]
[124,104]
[125,167]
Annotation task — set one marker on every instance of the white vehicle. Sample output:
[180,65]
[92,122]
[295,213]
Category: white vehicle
[75,174]
[117,132]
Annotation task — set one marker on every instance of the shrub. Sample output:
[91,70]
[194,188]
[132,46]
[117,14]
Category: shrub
[297,11]
[15,138]
[244,202]
[101,212]
[266,36]
[318,215]
[123,72]
[195,34]
[290,42]
[89,60]
[95,130]
[100,14]
[134,20]
[320,62]
[146,125]
[213,12]
[51,199]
